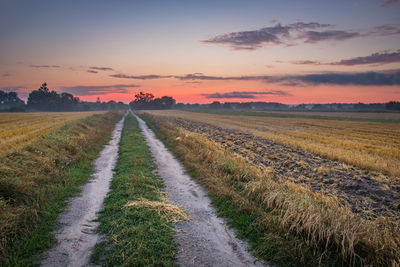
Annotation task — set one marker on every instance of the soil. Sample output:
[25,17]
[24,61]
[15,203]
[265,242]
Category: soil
[76,237]
[205,240]
[367,193]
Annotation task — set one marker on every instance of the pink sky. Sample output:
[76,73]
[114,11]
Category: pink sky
[302,52]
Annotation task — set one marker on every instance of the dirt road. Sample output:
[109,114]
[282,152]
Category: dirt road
[75,237]
[205,240]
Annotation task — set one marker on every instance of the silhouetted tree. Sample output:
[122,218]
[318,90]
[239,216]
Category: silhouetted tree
[146,101]
[44,99]
[393,105]
[167,102]
[10,101]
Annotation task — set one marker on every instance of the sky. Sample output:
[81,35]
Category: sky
[288,51]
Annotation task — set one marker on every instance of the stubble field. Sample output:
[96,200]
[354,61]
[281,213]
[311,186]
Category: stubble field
[44,158]
[347,170]
[20,129]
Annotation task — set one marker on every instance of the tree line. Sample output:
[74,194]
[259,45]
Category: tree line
[147,101]
[43,99]
[10,101]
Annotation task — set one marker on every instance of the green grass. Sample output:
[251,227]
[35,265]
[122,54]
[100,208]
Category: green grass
[37,182]
[287,115]
[134,236]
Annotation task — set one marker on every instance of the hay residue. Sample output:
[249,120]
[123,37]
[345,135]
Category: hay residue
[166,210]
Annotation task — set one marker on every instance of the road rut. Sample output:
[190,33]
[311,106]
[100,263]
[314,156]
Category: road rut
[75,236]
[205,240]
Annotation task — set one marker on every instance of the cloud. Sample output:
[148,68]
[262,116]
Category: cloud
[100,68]
[384,30]
[214,78]
[308,62]
[275,35]
[141,77]
[313,37]
[245,94]
[362,78]
[92,71]
[82,90]
[193,82]
[288,35]
[273,21]
[44,66]
[375,58]
[350,78]
[6,74]
[389,3]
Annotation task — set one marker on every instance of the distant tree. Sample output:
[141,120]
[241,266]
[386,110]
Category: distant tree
[44,99]
[144,98]
[393,105]
[147,101]
[244,105]
[179,106]
[68,102]
[215,105]
[227,105]
[10,101]
[167,102]
[111,105]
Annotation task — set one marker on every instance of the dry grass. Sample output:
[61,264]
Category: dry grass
[31,177]
[369,145]
[20,129]
[166,210]
[285,207]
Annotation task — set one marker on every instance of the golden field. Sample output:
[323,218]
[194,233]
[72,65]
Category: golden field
[318,211]
[370,145]
[36,177]
[353,115]
[20,129]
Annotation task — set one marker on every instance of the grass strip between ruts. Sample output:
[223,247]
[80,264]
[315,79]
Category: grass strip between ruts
[137,232]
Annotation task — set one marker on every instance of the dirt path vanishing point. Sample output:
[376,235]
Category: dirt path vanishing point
[205,240]
[75,236]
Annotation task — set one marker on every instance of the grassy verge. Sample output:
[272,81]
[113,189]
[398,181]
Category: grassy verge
[36,181]
[284,222]
[136,220]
